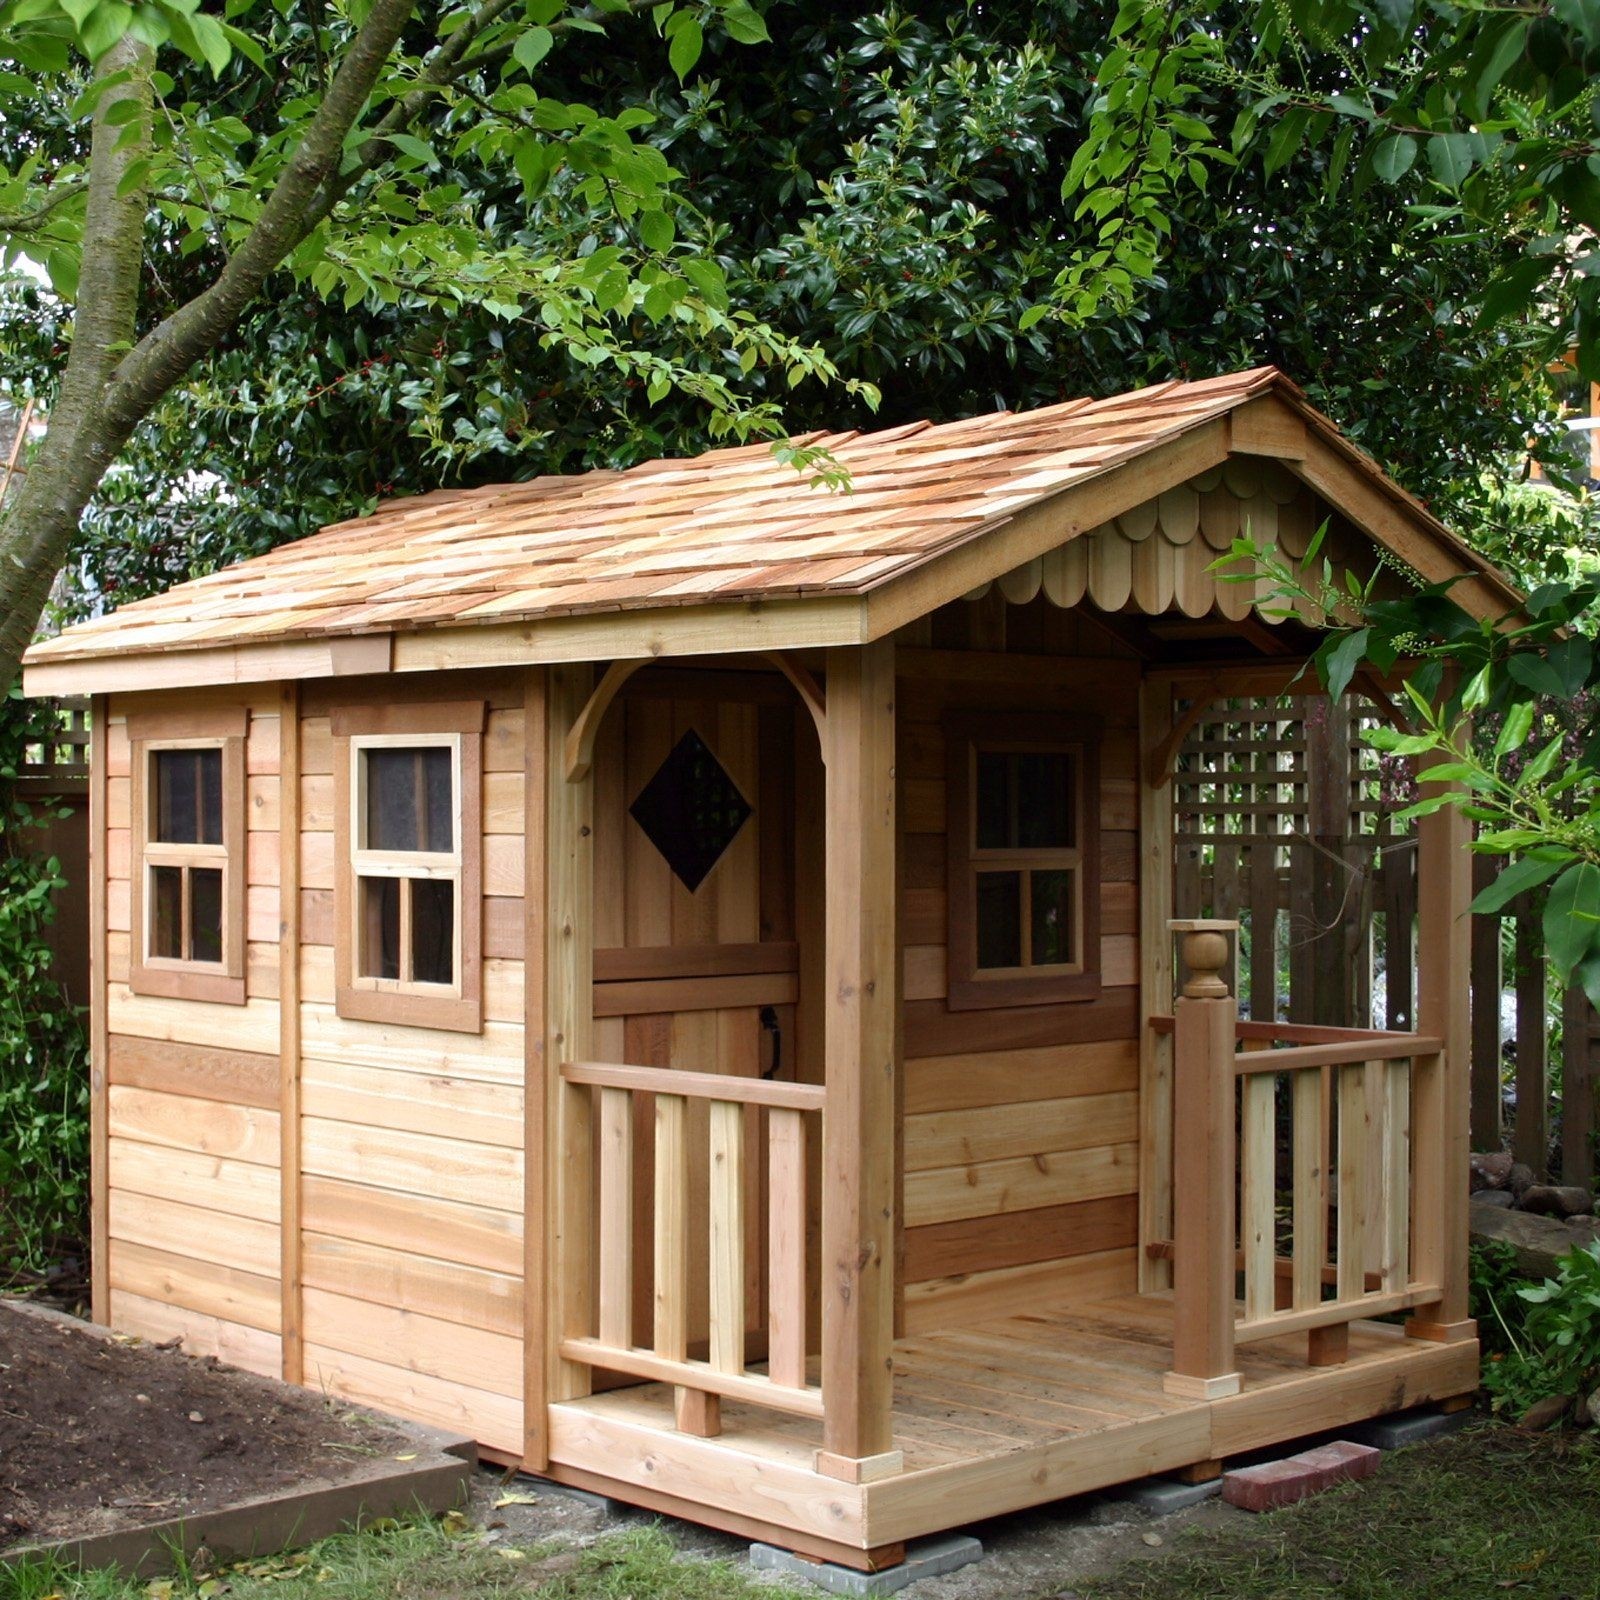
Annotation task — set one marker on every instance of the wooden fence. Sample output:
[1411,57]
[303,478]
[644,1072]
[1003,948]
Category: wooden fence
[54,780]
[1284,820]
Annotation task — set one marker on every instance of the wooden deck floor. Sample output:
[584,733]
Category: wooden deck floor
[992,1418]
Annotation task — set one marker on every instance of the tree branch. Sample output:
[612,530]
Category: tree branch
[26,222]
[452,62]
[175,344]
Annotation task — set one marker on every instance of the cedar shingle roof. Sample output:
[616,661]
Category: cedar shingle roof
[732,525]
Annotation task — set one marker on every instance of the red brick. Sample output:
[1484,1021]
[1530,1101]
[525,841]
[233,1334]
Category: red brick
[1281,1483]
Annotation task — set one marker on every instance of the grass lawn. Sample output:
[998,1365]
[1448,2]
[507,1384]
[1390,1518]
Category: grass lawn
[1486,1512]
[430,1560]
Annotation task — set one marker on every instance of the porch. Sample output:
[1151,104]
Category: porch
[991,1418]
[1269,1332]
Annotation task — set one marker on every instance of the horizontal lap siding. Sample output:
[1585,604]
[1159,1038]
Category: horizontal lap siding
[411,1194]
[1021,1123]
[192,1156]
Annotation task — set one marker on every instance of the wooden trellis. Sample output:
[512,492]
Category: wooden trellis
[1284,820]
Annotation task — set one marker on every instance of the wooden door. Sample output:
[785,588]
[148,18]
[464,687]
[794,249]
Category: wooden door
[697,958]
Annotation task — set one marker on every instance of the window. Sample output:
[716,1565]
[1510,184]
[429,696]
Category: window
[1023,879]
[691,810]
[188,938]
[410,825]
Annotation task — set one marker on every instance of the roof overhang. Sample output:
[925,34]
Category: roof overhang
[1270,425]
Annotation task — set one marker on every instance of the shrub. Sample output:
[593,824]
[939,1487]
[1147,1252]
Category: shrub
[44,1092]
[1558,1349]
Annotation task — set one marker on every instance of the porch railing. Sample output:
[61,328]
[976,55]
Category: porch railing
[1347,1161]
[725,1374]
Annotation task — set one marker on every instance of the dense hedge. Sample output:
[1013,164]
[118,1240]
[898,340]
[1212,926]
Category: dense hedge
[44,1091]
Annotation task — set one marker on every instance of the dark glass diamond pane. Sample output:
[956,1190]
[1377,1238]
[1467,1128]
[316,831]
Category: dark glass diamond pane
[691,811]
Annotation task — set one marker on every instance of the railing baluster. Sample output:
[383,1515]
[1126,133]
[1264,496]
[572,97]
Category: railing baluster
[734,1107]
[1395,1263]
[727,1236]
[1258,1194]
[616,1216]
[1310,1246]
[1353,1180]
[672,1228]
[786,1247]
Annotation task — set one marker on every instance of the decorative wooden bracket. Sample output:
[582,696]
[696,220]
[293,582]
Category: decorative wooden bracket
[806,686]
[586,729]
[1159,774]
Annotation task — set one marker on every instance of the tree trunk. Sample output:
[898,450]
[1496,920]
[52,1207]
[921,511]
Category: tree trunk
[111,382]
[39,520]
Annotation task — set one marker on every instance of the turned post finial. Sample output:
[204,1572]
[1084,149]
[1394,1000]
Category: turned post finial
[1205,956]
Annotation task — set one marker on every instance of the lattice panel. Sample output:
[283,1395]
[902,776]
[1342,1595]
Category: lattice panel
[1283,820]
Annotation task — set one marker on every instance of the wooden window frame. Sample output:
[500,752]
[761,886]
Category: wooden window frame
[458,727]
[967,987]
[223,729]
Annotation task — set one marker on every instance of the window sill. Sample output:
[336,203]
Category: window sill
[169,983]
[993,994]
[450,1014]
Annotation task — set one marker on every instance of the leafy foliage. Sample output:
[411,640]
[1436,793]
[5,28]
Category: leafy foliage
[1490,109]
[44,1082]
[1558,1351]
[880,184]
[1500,1312]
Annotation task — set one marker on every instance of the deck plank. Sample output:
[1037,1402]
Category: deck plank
[1011,1412]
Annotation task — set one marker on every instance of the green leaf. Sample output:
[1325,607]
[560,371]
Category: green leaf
[1285,139]
[657,231]
[1353,108]
[1572,918]
[105,26]
[1532,671]
[1515,729]
[212,39]
[1492,63]
[532,47]
[1528,873]
[1392,159]
[1511,291]
[1343,659]
[1453,156]
[684,51]
[745,25]
[1397,13]
[408,144]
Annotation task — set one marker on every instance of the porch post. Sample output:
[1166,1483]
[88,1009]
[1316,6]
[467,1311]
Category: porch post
[1204,1163]
[1441,1097]
[567,931]
[861,999]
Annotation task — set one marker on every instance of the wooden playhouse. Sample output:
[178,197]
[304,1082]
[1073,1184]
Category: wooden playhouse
[672,973]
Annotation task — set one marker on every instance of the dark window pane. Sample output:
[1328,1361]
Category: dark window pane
[440,814]
[999,912]
[205,914]
[380,927]
[1044,782]
[187,801]
[409,800]
[1053,918]
[993,784]
[166,912]
[691,810]
[1024,800]
[433,903]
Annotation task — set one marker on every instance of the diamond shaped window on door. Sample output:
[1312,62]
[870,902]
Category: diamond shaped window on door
[691,810]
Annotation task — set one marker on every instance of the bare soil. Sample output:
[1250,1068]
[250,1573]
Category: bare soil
[99,1433]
